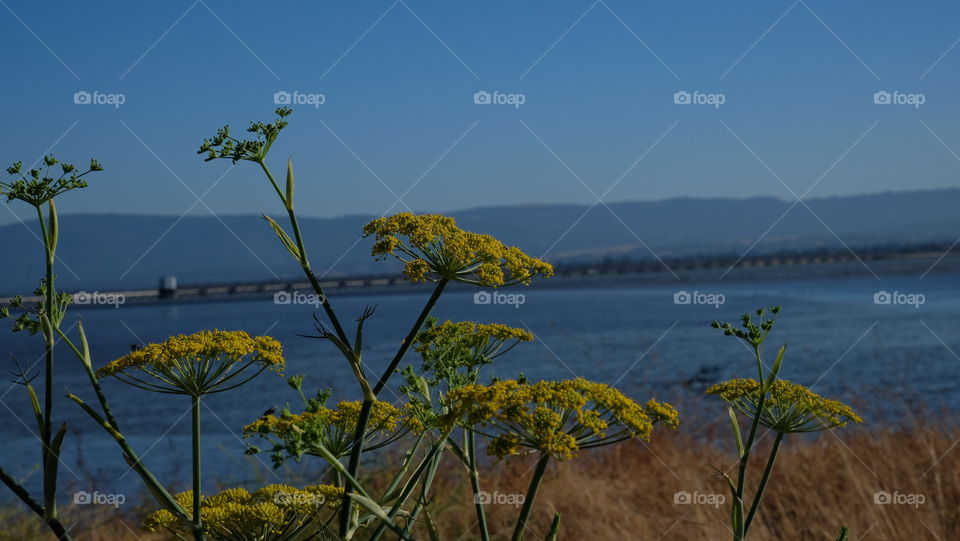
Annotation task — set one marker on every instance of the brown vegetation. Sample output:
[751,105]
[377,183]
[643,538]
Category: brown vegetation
[628,492]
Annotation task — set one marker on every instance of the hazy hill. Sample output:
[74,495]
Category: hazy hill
[110,250]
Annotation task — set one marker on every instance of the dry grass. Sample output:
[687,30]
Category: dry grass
[627,492]
[819,484]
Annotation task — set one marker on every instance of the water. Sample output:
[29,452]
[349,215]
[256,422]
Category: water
[840,342]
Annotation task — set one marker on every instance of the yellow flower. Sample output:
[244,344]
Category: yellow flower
[274,512]
[304,433]
[436,248]
[197,364]
[789,407]
[553,417]
[452,351]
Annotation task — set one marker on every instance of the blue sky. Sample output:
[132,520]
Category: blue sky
[597,79]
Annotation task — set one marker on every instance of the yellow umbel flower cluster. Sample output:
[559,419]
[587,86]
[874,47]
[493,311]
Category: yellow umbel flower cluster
[273,512]
[434,247]
[451,333]
[788,407]
[557,418]
[332,428]
[453,351]
[197,363]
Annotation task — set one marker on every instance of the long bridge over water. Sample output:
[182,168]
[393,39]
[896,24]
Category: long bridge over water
[798,264]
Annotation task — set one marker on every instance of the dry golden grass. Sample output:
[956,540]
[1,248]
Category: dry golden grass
[819,484]
[627,491]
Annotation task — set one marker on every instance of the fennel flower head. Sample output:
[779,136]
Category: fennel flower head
[557,418]
[433,247]
[197,364]
[450,346]
[788,408]
[36,187]
[272,513]
[294,435]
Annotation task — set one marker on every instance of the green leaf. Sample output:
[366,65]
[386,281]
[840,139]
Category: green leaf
[284,238]
[554,528]
[775,370]
[35,403]
[50,468]
[290,184]
[736,431]
[53,231]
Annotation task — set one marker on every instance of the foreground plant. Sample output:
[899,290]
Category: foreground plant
[272,513]
[432,248]
[778,405]
[38,188]
[196,365]
[553,419]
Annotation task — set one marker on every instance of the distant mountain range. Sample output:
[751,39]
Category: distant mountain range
[107,251]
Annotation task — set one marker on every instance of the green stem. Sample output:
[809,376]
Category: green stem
[475,484]
[411,336]
[197,522]
[427,465]
[763,482]
[739,529]
[358,437]
[304,261]
[531,495]
[424,490]
[49,475]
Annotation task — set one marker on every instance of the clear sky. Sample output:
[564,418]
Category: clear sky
[597,81]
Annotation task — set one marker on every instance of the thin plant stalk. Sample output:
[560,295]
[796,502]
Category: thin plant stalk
[50,444]
[471,448]
[364,417]
[739,526]
[531,496]
[197,522]
[303,259]
[111,427]
[763,482]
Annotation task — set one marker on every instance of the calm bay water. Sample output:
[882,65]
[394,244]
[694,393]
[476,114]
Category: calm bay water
[638,338]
